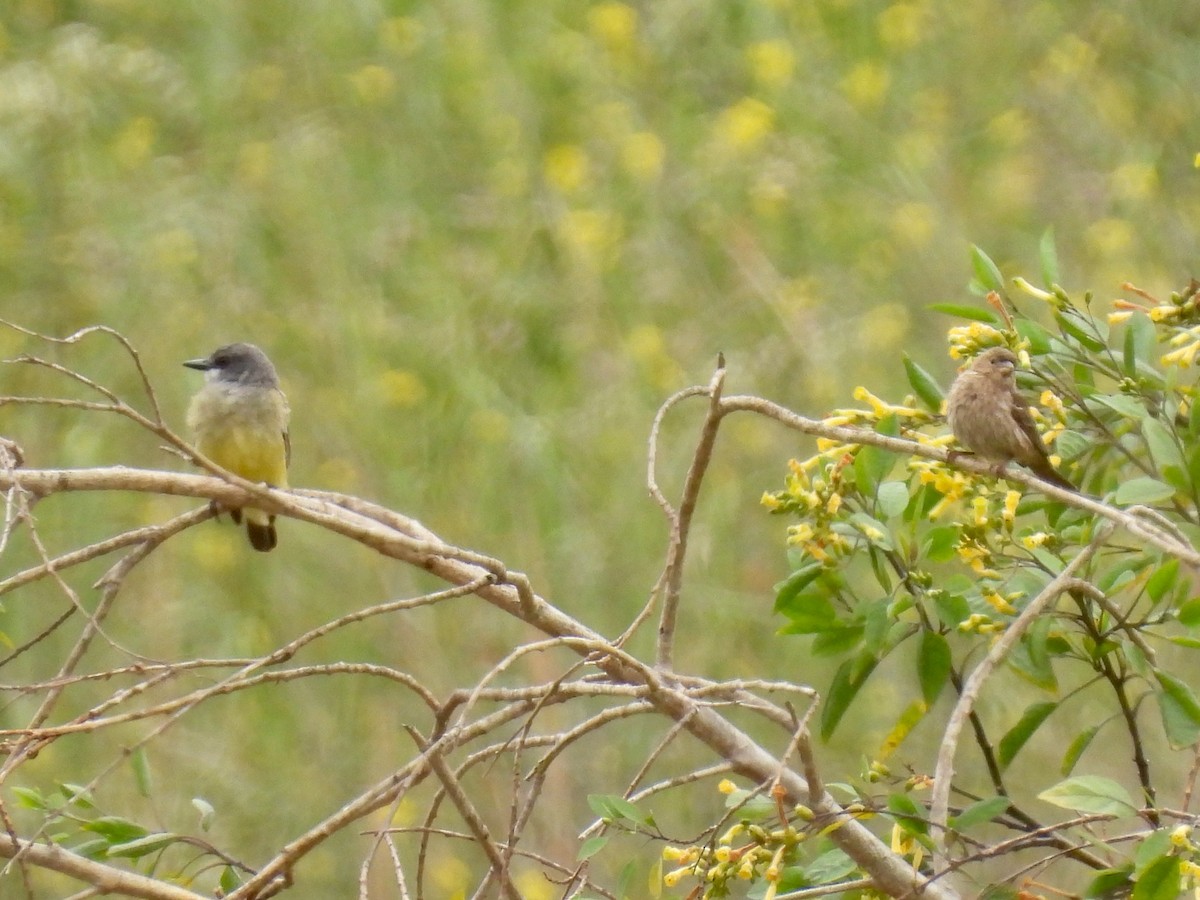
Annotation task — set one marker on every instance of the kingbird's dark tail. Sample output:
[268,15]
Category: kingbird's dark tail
[262,537]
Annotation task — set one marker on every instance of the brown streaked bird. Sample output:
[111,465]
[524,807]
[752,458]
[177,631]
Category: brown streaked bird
[990,418]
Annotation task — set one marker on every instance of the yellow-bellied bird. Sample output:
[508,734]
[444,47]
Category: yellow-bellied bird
[240,420]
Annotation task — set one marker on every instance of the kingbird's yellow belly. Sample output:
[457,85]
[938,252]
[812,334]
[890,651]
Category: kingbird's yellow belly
[242,429]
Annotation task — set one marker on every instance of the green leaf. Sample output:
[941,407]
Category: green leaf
[809,614]
[1189,612]
[749,806]
[1142,490]
[1017,736]
[1163,580]
[1161,443]
[116,829]
[962,311]
[1156,845]
[229,880]
[1122,405]
[876,625]
[1161,881]
[829,867]
[77,795]
[143,846]
[1072,445]
[979,812]
[871,465]
[987,273]
[1090,794]
[835,641]
[1076,749]
[872,529]
[1110,883]
[924,385]
[1039,338]
[892,498]
[933,665]
[1031,657]
[952,609]
[1080,328]
[30,798]
[789,589]
[909,814]
[849,678]
[1048,256]
[96,848]
[1180,710]
[615,807]
[591,847]
[141,771]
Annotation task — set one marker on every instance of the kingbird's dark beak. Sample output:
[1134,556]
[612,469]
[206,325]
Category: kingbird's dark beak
[202,364]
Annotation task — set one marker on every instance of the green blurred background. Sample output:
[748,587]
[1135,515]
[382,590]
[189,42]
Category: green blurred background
[482,242]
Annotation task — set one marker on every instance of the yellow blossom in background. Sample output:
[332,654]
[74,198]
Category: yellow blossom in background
[339,474]
[491,425]
[592,234]
[174,248]
[1071,56]
[401,34]
[614,25]
[401,388]
[1035,540]
[968,340]
[1110,237]
[642,155]
[135,142]
[914,223]
[771,62]
[745,124]
[532,884]
[1135,181]
[979,509]
[254,162]
[1187,344]
[997,602]
[1011,499]
[214,550]
[264,83]
[1011,128]
[450,875]
[373,84]
[866,84]
[902,25]
[566,167]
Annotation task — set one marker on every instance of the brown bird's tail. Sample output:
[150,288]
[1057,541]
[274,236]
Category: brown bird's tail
[1048,472]
[262,537]
[260,528]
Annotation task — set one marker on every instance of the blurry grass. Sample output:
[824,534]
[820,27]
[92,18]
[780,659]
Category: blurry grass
[482,242]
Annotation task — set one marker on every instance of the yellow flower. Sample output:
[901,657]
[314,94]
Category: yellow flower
[373,84]
[613,24]
[642,155]
[745,124]
[866,84]
[566,167]
[771,62]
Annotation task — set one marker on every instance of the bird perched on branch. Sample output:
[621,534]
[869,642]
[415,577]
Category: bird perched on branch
[240,420]
[990,417]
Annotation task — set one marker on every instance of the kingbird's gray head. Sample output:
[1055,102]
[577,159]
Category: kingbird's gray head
[237,364]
